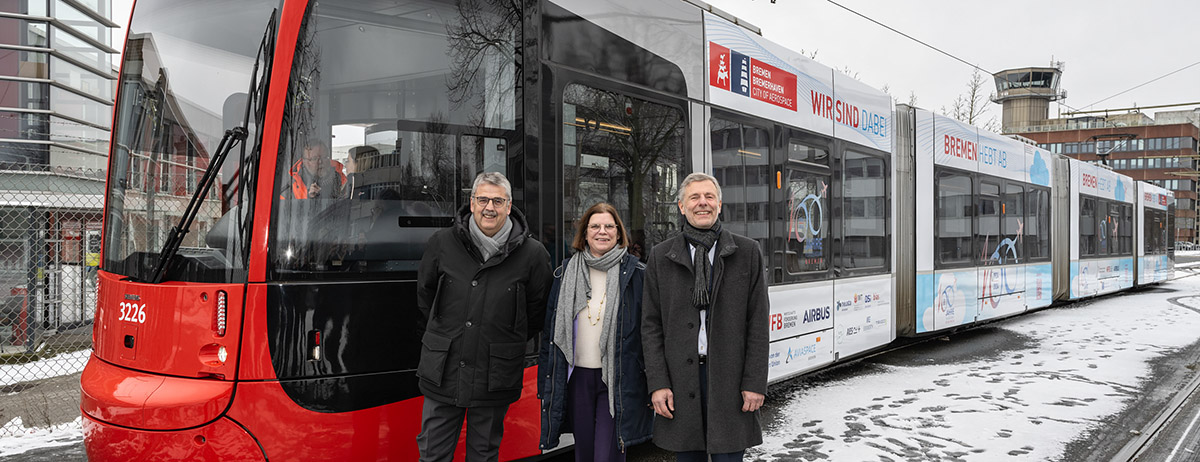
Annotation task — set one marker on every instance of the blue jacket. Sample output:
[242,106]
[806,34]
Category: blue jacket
[634,416]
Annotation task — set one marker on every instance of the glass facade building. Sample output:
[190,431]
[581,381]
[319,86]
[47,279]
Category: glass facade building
[57,84]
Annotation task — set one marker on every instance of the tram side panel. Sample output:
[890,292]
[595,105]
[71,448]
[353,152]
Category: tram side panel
[864,315]
[1102,259]
[1064,227]
[947,282]
[983,223]
[1155,263]
[843,305]
[1001,220]
[904,202]
[1038,228]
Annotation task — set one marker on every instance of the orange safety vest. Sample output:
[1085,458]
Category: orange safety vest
[300,189]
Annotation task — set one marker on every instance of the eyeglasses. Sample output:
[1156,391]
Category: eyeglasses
[482,201]
[607,226]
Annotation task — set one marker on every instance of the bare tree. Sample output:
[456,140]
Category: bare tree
[485,41]
[972,107]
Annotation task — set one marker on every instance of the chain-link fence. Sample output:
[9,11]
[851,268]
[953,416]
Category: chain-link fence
[50,220]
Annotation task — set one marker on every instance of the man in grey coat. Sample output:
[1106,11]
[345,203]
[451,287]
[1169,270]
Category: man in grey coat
[705,333]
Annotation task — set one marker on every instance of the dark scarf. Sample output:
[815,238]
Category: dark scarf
[703,239]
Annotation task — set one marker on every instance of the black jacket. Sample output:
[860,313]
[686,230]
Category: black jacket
[634,416]
[478,315]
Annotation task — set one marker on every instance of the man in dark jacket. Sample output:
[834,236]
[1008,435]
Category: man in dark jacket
[481,288]
[705,333]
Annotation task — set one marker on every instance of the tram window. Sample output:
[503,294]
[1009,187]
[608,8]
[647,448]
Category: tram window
[1122,226]
[801,152]
[805,247]
[625,151]
[1087,227]
[864,211]
[1012,213]
[399,141]
[1155,231]
[954,215]
[1037,225]
[987,219]
[801,227]
[1111,224]
[169,125]
[740,163]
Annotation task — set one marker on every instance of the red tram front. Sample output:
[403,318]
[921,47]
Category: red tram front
[242,317]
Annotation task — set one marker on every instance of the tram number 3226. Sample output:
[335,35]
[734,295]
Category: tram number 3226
[133,312]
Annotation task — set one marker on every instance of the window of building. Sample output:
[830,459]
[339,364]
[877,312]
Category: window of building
[79,107]
[81,79]
[81,23]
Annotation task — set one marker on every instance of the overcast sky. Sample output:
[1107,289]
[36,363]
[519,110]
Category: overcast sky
[1108,46]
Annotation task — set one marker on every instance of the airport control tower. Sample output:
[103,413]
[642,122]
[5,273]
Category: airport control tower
[1026,94]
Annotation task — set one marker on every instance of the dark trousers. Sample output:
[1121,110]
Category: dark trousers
[595,429]
[441,424]
[702,456]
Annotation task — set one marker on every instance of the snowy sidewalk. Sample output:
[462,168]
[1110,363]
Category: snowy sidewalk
[1061,375]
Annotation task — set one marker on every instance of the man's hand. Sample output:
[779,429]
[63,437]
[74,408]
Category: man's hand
[751,401]
[664,402]
[314,189]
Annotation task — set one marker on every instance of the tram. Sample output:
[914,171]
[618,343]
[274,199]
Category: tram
[244,316]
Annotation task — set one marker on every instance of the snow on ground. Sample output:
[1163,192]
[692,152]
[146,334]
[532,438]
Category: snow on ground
[1084,364]
[23,439]
[62,364]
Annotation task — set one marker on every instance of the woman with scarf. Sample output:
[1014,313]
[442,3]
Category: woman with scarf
[591,378]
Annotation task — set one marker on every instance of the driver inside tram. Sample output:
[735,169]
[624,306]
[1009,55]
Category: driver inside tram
[316,175]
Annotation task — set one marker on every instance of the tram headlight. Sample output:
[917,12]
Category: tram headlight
[213,355]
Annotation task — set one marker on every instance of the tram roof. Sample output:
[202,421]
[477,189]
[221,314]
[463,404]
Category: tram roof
[725,15]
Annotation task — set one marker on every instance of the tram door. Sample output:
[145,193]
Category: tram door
[802,225]
[624,150]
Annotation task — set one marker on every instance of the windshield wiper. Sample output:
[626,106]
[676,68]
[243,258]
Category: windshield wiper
[233,137]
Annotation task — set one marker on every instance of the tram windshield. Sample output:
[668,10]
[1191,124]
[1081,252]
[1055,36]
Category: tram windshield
[392,111]
[185,80]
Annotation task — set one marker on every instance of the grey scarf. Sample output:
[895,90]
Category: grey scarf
[703,240]
[573,296]
[489,246]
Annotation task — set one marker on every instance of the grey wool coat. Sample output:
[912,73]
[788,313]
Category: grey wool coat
[738,342]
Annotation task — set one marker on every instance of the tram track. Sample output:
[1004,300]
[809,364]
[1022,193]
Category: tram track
[1177,407]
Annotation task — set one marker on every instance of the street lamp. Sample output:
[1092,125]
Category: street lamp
[1121,138]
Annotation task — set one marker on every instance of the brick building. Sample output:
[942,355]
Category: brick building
[1161,149]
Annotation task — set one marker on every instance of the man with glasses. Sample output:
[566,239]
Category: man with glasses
[481,288]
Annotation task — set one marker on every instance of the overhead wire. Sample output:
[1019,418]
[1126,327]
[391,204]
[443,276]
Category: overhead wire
[1146,83]
[939,50]
[975,66]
